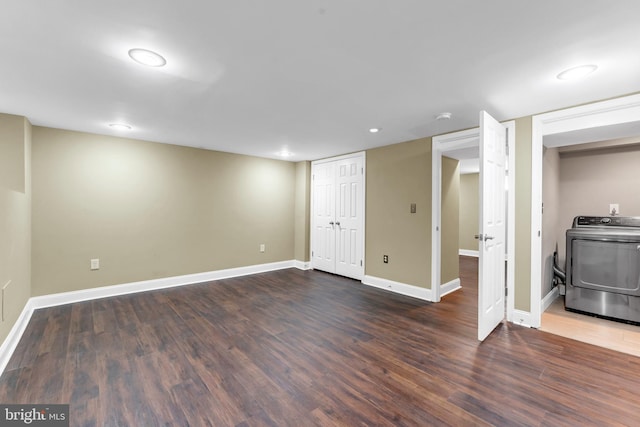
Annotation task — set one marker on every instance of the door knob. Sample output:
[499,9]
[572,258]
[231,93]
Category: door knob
[482,237]
[338,223]
[330,222]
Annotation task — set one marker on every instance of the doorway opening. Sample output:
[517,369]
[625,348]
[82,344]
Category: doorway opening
[561,127]
[457,144]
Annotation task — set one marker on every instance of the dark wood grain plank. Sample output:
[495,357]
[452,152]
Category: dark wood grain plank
[298,348]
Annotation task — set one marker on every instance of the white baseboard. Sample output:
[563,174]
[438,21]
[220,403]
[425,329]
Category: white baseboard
[399,288]
[34,303]
[449,287]
[302,265]
[549,298]
[11,342]
[522,318]
[154,284]
[467,252]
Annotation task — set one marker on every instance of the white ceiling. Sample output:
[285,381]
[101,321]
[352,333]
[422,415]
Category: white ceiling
[469,159]
[256,77]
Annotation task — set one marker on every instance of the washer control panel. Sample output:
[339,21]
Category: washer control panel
[606,221]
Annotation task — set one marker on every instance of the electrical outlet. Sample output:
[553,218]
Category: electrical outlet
[614,209]
[95,264]
[262,247]
[385,259]
[413,208]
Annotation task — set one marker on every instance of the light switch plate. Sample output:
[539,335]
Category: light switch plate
[95,264]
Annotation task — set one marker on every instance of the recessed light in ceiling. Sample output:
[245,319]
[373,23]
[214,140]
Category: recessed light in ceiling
[577,72]
[119,126]
[375,130]
[147,57]
[285,153]
[443,116]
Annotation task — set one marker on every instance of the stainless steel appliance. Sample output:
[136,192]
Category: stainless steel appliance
[603,267]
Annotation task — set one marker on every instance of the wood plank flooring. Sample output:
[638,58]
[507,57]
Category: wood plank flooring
[593,330]
[306,348]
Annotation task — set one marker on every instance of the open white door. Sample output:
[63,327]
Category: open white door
[491,272]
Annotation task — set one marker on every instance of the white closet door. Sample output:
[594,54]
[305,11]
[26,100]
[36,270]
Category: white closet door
[349,211]
[324,236]
[337,223]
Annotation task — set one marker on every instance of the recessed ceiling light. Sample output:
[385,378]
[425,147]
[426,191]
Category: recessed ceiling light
[147,57]
[119,126]
[443,116]
[285,153]
[375,130]
[577,72]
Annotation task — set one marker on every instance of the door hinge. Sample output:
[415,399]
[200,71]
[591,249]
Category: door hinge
[311,253]
[361,171]
[360,263]
[506,292]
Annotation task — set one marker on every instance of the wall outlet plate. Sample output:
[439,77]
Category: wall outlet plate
[95,264]
[614,209]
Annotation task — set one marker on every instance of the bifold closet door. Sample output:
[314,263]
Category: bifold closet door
[324,207]
[338,216]
[349,211]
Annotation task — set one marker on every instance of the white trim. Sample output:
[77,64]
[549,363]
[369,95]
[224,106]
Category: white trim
[468,252]
[11,342]
[154,284]
[338,158]
[34,303]
[550,298]
[511,219]
[302,265]
[440,144]
[398,288]
[450,286]
[522,318]
[605,113]
[598,114]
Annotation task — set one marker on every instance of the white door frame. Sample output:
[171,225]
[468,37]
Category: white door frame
[362,155]
[454,141]
[605,113]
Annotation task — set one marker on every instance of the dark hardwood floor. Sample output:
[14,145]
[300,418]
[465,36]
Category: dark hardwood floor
[304,348]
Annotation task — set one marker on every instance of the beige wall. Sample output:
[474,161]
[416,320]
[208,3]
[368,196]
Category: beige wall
[469,211]
[522,297]
[450,221]
[153,210]
[550,213]
[398,175]
[15,218]
[302,211]
[591,180]
[149,210]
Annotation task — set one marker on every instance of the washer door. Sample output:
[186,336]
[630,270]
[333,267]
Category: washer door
[606,266]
